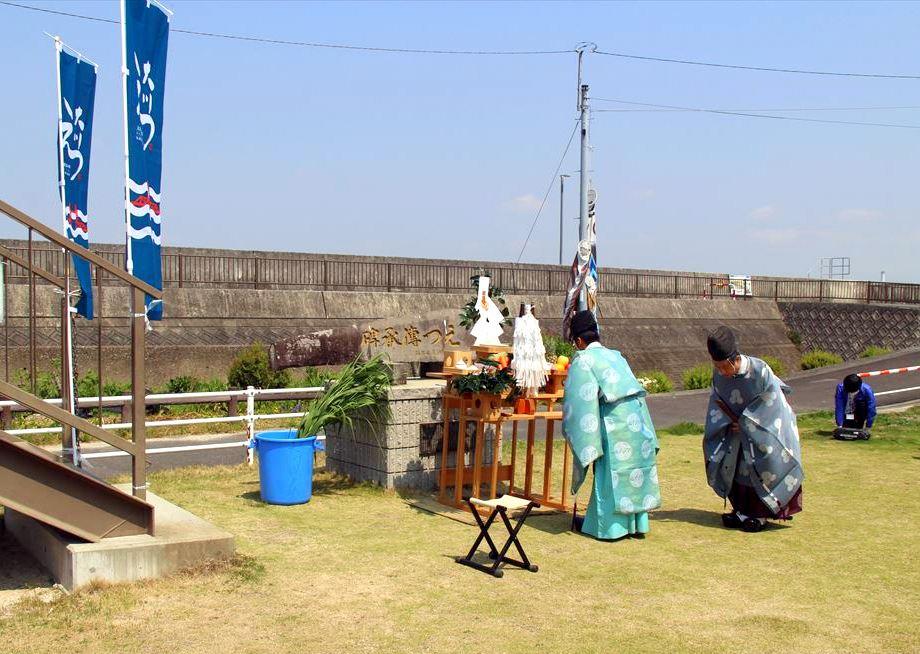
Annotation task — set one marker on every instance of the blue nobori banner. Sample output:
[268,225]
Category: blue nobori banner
[76,96]
[145,33]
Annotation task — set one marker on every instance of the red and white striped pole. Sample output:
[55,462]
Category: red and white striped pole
[891,371]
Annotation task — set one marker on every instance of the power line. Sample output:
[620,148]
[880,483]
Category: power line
[552,183]
[726,112]
[776,111]
[342,46]
[305,44]
[797,71]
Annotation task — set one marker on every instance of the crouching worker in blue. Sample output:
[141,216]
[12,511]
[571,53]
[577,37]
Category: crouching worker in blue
[751,443]
[854,403]
[607,424]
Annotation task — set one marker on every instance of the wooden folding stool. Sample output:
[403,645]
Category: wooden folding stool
[499,507]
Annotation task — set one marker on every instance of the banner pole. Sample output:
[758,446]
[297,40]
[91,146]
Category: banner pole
[67,384]
[129,258]
[74,51]
[62,189]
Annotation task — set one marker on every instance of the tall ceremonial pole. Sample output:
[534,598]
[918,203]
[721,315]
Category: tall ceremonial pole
[583,181]
[583,178]
[582,292]
[129,257]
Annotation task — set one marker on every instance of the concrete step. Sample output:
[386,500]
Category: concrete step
[34,483]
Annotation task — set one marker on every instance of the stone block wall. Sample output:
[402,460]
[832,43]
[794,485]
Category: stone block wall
[848,329]
[389,454]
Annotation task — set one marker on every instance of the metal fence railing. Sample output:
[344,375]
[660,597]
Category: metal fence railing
[360,274]
[248,418]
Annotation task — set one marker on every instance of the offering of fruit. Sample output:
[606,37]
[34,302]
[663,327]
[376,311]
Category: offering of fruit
[564,360]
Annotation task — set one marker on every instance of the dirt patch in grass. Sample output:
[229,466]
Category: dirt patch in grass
[359,570]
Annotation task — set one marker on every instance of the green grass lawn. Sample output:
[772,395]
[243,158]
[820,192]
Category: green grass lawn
[360,570]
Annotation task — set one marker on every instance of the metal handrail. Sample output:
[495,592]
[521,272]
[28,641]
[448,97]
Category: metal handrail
[71,424]
[24,219]
[37,405]
[38,270]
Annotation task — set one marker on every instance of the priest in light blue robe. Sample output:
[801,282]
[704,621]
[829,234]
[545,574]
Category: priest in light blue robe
[607,424]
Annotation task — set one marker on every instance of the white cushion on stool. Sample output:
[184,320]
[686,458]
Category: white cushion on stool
[508,501]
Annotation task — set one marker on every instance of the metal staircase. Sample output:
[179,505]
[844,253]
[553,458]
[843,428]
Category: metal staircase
[48,488]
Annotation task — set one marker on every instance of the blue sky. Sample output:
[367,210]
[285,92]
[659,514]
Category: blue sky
[287,148]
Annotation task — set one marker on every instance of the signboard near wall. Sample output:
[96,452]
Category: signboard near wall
[740,285]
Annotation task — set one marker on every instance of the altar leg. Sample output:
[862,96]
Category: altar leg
[461,447]
[528,472]
[477,459]
[496,456]
[514,432]
[566,473]
[548,460]
[445,450]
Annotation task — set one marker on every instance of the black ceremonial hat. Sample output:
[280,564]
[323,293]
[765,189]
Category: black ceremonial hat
[722,344]
[583,322]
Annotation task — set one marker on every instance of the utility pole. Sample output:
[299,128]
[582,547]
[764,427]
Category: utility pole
[583,180]
[561,209]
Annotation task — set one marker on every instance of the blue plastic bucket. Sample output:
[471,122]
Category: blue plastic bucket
[285,466]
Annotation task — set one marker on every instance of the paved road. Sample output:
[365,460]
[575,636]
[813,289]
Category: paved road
[812,391]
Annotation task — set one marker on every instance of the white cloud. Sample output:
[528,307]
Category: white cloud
[858,215]
[763,213]
[778,235]
[522,204]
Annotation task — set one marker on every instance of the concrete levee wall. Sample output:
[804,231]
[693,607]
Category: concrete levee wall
[203,329]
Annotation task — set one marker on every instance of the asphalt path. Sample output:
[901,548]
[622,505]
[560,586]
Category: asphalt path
[811,391]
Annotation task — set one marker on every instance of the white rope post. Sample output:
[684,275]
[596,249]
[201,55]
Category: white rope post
[250,422]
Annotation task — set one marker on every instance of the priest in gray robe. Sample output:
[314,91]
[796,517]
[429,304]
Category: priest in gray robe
[751,441]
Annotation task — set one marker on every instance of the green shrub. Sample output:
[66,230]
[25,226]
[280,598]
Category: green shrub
[777,366]
[214,385]
[795,337]
[251,368]
[47,384]
[655,381]
[819,359]
[116,388]
[88,385]
[192,384]
[874,351]
[699,376]
[557,346]
[183,384]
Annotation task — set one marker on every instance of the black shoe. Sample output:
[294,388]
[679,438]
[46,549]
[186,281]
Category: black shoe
[731,520]
[638,536]
[752,525]
[577,522]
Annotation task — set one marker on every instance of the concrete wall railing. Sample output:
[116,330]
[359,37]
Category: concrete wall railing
[215,268]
